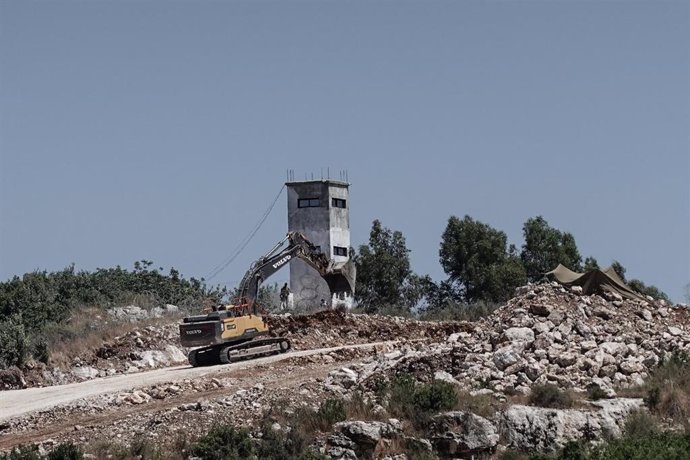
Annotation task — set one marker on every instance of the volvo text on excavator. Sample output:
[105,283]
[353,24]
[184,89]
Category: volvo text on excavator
[238,330]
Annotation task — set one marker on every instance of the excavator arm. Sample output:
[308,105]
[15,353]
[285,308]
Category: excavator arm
[340,277]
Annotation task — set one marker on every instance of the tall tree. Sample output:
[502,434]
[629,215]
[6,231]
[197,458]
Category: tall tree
[384,276]
[545,247]
[477,258]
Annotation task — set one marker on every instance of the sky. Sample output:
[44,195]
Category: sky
[162,130]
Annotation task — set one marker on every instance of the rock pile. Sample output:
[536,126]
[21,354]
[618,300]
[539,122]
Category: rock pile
[331,328]
[550,334]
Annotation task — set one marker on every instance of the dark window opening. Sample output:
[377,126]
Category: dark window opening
[339,251]
[308,203]
[338,203]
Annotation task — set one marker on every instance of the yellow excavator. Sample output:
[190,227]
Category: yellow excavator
[238,330]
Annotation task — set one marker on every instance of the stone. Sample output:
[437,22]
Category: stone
[645,314]
[461,434]
[556,317]
[366,435]
[445,377]
[566,359]
[534,428]
[614,348]
[507,356]
[518,334]
[85,372]
[540,309]
[344,377]
[675,331]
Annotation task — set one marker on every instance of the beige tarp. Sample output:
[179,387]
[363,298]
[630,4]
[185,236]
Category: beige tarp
[594,281]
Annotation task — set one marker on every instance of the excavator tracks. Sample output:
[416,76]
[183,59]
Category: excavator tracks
[225,354]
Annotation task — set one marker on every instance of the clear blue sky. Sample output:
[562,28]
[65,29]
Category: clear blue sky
[163,129]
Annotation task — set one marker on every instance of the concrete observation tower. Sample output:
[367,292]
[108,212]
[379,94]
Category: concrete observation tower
[319,209]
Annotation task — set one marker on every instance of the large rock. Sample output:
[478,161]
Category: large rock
[507,356]
[85,372]
[519,334]
[461,434]
[344,378]
[365,436]
[535,428]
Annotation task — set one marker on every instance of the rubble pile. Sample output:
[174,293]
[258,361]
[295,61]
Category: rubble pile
[548,334]
[332,328]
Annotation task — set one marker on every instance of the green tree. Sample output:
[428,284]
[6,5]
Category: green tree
[384,276]
[477,259]
[14,344]
[619,269]
[638,285]
[591,264]
[545,247]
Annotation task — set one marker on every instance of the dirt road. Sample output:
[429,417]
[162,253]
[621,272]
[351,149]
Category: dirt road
[14,403]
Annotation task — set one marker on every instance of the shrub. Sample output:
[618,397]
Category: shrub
[595,392]
[640,423]
[39,299]
[417,402]
[276,445]
[67,451]
[224,442]
[549,395]
[22,453]
[660,446]
[668,388]
[435,397]
[482,405]
[358,408]
[331,411]
[14,345]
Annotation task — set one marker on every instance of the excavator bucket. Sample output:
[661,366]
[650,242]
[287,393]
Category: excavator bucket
[341,278]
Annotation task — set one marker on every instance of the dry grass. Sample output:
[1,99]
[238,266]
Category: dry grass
[359,408]
[482,405]
[87,330]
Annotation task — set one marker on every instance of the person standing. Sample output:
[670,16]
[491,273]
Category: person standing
[284,295]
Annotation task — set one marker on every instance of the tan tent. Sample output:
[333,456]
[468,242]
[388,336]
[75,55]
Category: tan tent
[595,281]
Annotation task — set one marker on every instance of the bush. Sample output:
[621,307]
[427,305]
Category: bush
[549,395]
[308,420]
[358,408]
[668,388]
[660,446]
[276,445]
[417,402]
[22,453]
[595,392]
[435,397]
[14,345]
[640,423]
[331,411]
[67,451]
[224,442]
[40,299]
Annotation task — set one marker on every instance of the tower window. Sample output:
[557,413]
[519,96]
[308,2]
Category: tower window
[308,203]
[339,251]
[338,203]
